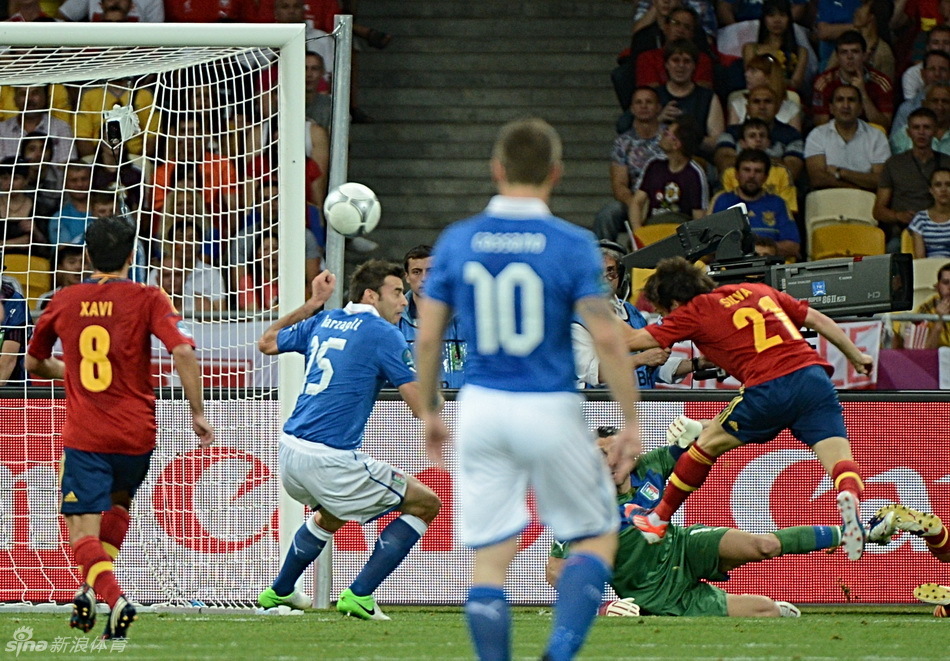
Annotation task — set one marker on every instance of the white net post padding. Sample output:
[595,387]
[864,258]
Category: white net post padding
[209,128]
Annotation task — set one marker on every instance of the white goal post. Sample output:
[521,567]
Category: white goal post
[237,91]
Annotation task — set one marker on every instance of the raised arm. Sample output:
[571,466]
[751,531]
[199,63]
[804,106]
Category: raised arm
[320,290]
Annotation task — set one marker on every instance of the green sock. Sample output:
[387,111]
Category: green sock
[804,539]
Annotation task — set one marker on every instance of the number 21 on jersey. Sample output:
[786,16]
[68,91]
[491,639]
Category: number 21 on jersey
[744,316]
[498,324]
[320,361]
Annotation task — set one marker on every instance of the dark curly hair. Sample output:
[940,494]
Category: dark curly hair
[676,281]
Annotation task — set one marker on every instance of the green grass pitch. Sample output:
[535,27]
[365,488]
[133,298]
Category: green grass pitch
[832,633]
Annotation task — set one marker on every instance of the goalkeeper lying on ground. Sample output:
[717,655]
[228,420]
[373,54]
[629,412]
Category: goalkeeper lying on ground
[893,518]
[666,578]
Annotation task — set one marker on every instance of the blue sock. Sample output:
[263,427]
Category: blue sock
[393,545]
[308,542]
[579,592]
[489,622]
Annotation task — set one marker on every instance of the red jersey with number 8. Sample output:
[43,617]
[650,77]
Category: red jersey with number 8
[750,330]
[106,326]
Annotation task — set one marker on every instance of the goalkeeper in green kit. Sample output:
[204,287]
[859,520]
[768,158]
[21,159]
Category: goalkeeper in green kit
[667,578]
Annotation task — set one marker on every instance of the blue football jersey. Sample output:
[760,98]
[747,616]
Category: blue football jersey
[350,354]
[513,274]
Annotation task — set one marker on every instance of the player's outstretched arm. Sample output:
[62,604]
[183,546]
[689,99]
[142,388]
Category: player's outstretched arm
[50,368]
[832,332]
[601,322]
[320,290]
[186,364]
[638,339]
[435,317]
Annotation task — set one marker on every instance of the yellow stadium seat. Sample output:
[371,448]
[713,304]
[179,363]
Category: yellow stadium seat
[33,273]
[846,240]
[907,242]
[652,233]
[638,278]
[925,277]
[832,206]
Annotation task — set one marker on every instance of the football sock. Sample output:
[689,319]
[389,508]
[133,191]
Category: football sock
[97,568]
[847,477]
[309,541]
[939,543]
[688,475]
[489,622]
[115,523]
[804,539]
[394,543]
[579,593]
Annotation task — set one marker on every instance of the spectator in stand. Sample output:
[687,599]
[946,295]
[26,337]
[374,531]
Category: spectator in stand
[264,219]
[938,334]
[777,39]
[930,228]
[936,70]
[20,229]
[146,11]
[765,70]
[59,100]
[682,96]
[736,11]
[912,82]
[257,289]
[905,185]
[872,20]
[98,99]
[647,12]
[14,333]
[218,11]
[34,116]
[631,152]
[877,95]
[755,136]
[913,20]
[936,98]
[322,14]
[28,11]
[319,106]
[768,213]
[69,223]
[787,145]
[43,177]
[202,287]
[765,247]
[674,188]
[833,18]
[188,147]
[846,152]
[650,66]
[69,271]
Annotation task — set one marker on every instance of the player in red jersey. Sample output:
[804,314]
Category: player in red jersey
[752,331]
[105,325]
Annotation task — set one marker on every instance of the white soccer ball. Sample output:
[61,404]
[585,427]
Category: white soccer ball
[352,209]
[620,608]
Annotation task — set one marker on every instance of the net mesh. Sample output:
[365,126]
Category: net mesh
[183,142]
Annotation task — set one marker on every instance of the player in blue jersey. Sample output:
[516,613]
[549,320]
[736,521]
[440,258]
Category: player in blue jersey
[350,354]
[417,263]
[652,365]
[516,275]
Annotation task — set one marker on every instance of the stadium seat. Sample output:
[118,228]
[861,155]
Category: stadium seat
[33,273]
[638,278]
[652,233]
[907,242]
[925,277]
[846,240]
[833,206]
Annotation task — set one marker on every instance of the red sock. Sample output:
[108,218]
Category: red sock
[847,477]
[690,472]
[939,544]
[115,523]
[97,568]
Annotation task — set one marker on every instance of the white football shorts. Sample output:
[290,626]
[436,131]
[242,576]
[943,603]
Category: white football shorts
[349,484]
[509,442]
